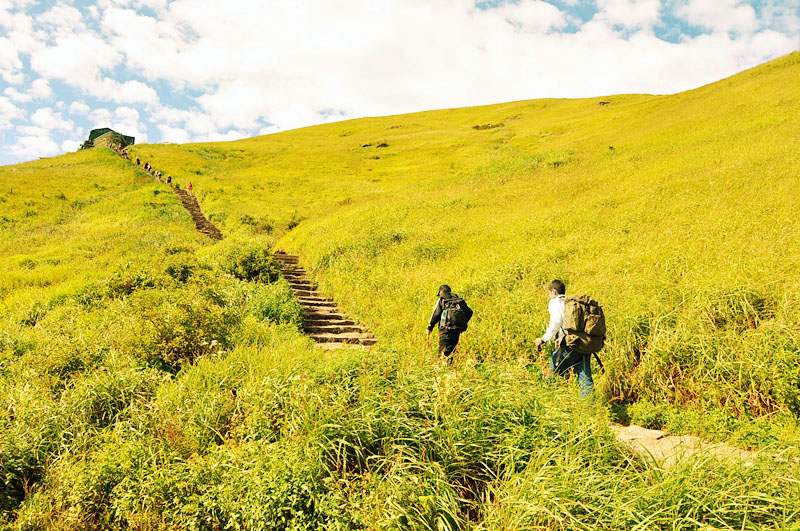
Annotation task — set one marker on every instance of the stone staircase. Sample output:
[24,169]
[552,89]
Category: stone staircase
[323,320]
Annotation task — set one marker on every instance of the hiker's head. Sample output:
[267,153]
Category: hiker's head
[556,288]
[444,291]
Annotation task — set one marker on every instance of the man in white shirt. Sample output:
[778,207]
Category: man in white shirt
[564,360]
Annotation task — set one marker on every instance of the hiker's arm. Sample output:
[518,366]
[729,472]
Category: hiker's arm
[555,323]
[436,315]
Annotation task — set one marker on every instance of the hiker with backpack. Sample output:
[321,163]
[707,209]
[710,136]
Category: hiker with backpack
[452,314]
[578,325]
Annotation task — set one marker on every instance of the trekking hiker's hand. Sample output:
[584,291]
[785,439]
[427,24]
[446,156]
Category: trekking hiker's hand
[538,342]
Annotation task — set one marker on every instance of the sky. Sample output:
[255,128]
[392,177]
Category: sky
[209,70]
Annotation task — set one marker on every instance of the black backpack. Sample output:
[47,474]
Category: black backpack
[455,314]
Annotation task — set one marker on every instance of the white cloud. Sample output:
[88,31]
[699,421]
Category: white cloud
[62,16]
[10,63]
[40,89]
[782,18]
[8,112]
[100,118]
[79,108]
[241,65]
[533,16]
[31,147]
[719,15]
[76,59]
[80,60]
[71,145]
[17,96]
[631,14]
[174,134]
[50,120]
[222,137]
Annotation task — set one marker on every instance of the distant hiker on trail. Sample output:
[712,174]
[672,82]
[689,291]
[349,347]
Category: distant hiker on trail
[137,161]
[169,179]
[578,325]
[452,314]
[189,187]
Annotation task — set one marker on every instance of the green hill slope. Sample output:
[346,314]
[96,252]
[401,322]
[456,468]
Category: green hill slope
[153,379]
[677,212]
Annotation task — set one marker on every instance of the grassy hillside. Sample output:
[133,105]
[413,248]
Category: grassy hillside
[153,379]
[679,213]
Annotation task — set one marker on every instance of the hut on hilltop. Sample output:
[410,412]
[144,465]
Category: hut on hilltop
[106,137]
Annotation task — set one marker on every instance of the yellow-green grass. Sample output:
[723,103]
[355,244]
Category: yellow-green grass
[144,386]
[679,213]
[69,220]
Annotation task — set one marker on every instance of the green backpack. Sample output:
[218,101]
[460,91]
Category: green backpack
[584,324]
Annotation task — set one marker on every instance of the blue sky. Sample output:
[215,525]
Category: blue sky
[200,70]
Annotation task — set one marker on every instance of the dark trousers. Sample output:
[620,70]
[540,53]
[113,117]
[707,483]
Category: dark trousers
[566,361]
[448,340]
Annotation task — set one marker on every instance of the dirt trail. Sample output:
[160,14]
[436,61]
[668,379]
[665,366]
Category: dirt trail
[200,221]
[323,320]
[669,449]
[188,200]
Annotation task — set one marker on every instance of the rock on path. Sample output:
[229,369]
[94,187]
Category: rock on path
[323,320]
[669,449]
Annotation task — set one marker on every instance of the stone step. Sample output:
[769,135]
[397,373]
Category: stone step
[302,284]
[317,314]
[332,329]
[337,346]
[352,337]
[305,293]
[313,299]
[327,322]
[318,305]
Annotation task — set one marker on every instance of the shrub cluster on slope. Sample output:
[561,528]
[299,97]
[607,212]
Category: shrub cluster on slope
[152,379]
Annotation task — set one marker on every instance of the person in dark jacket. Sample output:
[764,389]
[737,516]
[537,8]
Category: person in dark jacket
[448,338]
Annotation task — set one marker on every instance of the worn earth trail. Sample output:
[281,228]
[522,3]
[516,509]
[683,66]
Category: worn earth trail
[200,221]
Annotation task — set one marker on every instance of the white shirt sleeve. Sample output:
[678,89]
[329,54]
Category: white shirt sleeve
[556,308]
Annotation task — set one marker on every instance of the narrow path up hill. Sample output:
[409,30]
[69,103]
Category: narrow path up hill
[323,320]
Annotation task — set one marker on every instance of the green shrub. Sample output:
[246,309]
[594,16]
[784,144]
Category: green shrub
[181,266]
[125,280]
[254,486]
[251,263]
[184,325]
[276,303]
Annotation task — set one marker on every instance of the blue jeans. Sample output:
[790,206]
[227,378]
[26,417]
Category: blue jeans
[565,360]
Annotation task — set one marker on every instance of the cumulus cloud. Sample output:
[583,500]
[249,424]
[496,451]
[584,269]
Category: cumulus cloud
[71,145]
[31,147]
[40,89]
[50,120]
[79,108]
[80,60]
[62,16]
[233,69]
[631,14]
[17,96]
[719,15]
[10,63]
[8,112]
